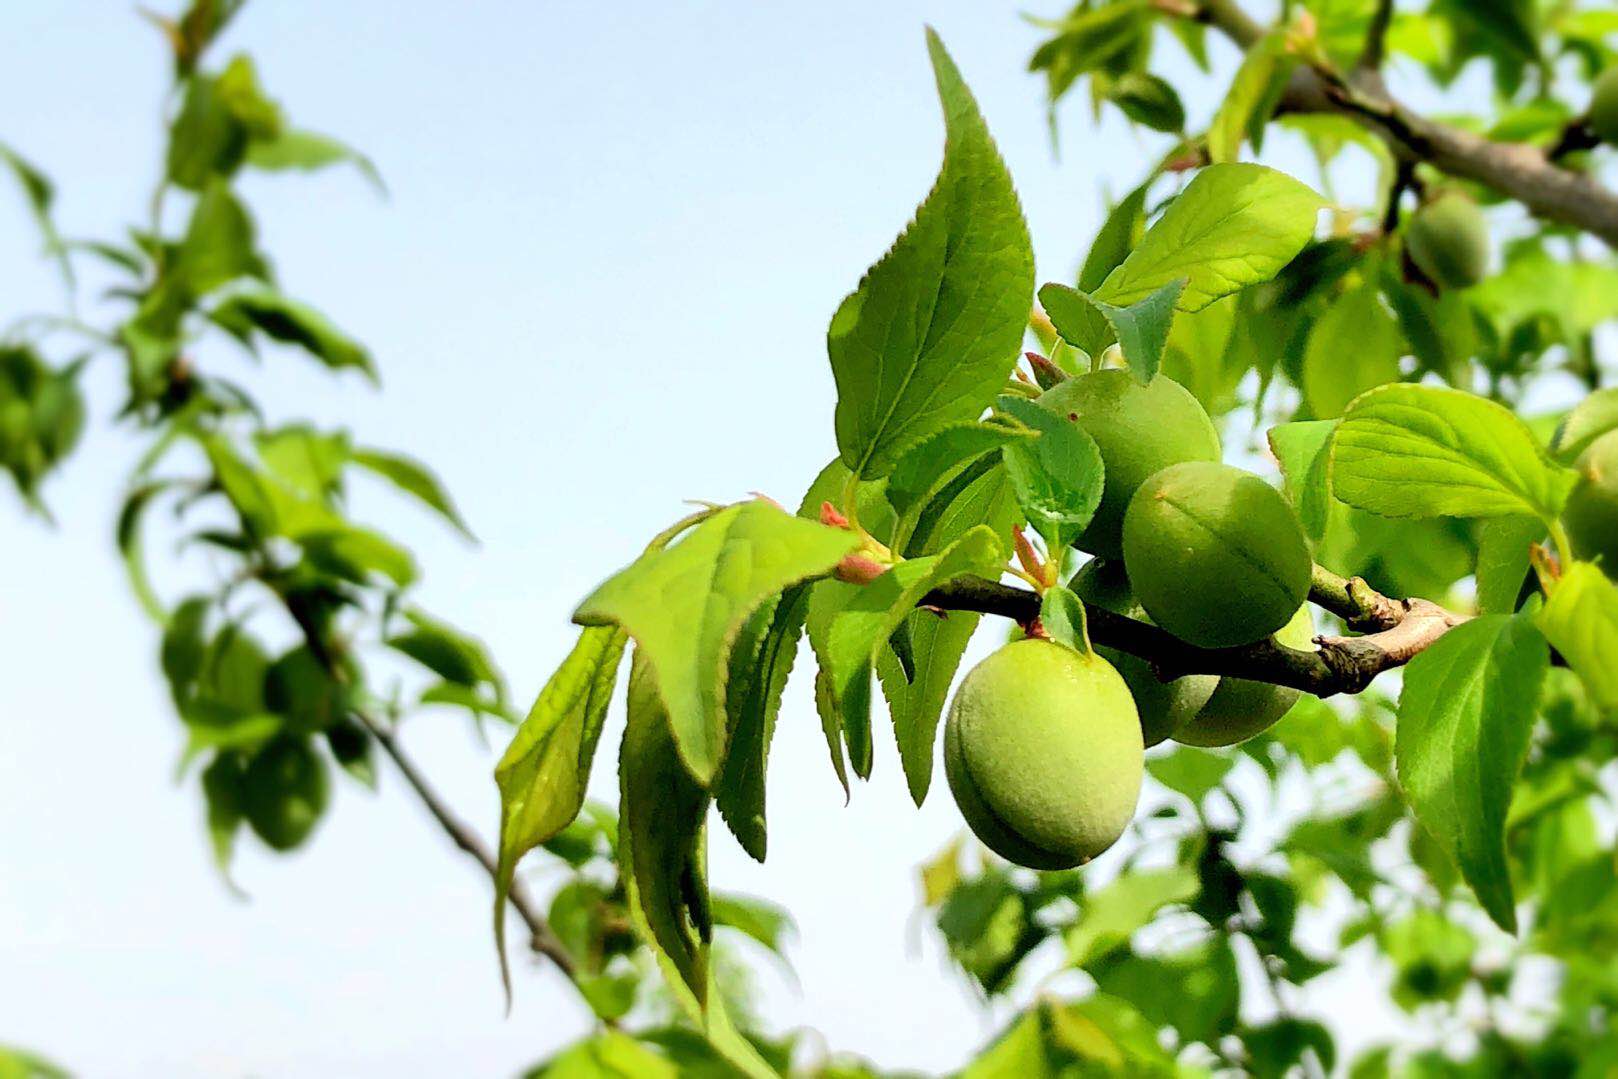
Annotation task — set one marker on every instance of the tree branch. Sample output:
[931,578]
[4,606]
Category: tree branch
[1399,629]
[1376,37]
[1517,170]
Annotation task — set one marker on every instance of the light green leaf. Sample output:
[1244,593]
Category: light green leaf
[861,626]
[218,246]
[1503,564]
[544,771]
[1252,97]
[1233,226]
[1354,346]
[1581,620]
[1058,479]
[1141,329]
[1109,917]
[309,151]
[1465,715]
[1061,614]
[40,193]
[1301,450]
[263,309]
[1428,451]
[1590,419]
[1191,772]
[685,604]
[356,553]
[414,478]
[1019,1051]
[932,332]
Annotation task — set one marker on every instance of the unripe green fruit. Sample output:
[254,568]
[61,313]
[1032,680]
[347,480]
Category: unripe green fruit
[284,792]
[1241,708]
[1215,554]
[1139,430]
[1164,707]
[1448,239]
[1043,753]
[1604,106]
[1591,512]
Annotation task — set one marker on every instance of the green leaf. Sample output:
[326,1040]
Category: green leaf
[1119,234]
[265,310]
[1252,97]
[1593,417]
[756,683]
[1428,451]
[1503,545]
[447,652]
[357,553]
[1019,1051]
[1147,99]
[1141,329]
[930,464]
[1276,1047]
[1468,706]
[413,478]
[222,783]
[544,771]
[1061,614]
[931,333]
[939,642]
[1203,1005]
[1353,347]
[40,193]
[308,151]
[218,246]
[1058,479]
[1233,226]
[860,629]
[206,139]
[132,548]
[1109,916]
[765,922]
[1191,772]
[1301,449]
[685,604]
[1581,621]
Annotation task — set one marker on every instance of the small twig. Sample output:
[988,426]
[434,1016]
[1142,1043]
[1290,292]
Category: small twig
[1376,37]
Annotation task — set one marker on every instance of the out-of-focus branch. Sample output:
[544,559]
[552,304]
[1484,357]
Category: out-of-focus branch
[1519,171]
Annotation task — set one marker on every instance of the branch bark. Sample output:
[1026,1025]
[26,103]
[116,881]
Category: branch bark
[1396,630]
[1520,171]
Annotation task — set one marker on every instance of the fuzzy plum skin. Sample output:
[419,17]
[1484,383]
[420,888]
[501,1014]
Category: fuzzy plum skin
[1139,430]
[1215,555]
[1449,240]
[1164,707]
[1240,708]
[1591,513]
[1043,753]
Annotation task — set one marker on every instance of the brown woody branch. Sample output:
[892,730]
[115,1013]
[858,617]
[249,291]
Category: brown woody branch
[1395,631]
[1519,171]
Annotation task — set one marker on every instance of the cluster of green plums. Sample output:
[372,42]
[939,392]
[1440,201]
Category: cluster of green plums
[1044,743]
[41,416]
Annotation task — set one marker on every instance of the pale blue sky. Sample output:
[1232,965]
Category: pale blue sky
[600,286]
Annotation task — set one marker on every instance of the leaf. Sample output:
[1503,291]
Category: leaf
[685,604]
[1276,1047]
[1061,614]
[1428,451]
[931,333]
[1147,99]
[1203,1003]
[1019,1051]
[132,548]
[1593,417]
[218,246]
[753,697]
[1233,226]
[413,478]
[308,151]
[929,465]
[1191,772]
[1252,97]
[1581,621]
[1301,449]
[447,652]
[1468,706]
[1119,234]
[939,642]
[1503,544]
[222,783]
[1108,917]
[862,625]
[1058,479]
[206,139]
[265,310]
[40,193]
[356,553]
[544,771]
[765,922]
[1141,329]
[1353,347]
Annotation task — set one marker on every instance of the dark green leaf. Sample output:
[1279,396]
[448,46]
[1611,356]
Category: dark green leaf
[265,310]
